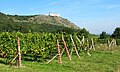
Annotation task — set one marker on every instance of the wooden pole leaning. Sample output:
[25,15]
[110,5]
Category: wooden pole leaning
[65,46]
[88,48]
[14,59]
[55,56]
[92,44]
[74,46]
[79,40]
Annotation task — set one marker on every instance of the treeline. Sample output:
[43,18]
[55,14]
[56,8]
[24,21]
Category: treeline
[116,34]
[104,36]
[47,28]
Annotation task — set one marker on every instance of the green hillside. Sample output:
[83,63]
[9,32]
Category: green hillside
[36,23]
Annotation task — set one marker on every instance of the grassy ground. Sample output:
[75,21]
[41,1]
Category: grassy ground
[99,61]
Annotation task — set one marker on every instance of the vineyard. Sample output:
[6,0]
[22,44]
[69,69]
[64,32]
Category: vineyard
[42,47]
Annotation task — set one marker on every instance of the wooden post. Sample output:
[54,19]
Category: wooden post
[92,44]
[115,43]
[111,44]
[108,43]
[55,56]
[83,39]
[52,58]
[65,46]
[74,46]
[59,55]
[78,40]
[14,59]
[88,48]
[19,54]
[71,52]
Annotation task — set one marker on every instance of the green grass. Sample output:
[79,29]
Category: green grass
[99,61]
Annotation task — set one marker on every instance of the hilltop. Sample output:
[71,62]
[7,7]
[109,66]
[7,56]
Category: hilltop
[35,23]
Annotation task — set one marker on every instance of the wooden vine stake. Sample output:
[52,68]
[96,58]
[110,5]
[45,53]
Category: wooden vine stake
[115,42]
[88,49]
[92,44]
[71,52]
[19,54]
[79,40]
[111,44]
[83,40]
[65,46]
[59,55]
[74,46]
[55,56]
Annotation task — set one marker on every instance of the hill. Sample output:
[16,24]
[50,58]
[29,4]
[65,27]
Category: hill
[35,23]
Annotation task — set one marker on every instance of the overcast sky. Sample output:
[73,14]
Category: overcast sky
[94,15]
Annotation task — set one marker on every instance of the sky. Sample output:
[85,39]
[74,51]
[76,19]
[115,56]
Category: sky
[94,15]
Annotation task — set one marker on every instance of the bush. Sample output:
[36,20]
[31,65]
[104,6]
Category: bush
[102,41]
[118,41]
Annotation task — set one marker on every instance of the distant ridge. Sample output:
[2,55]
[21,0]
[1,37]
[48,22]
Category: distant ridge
[35,23]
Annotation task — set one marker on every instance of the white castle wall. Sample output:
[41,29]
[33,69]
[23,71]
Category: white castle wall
[53,14]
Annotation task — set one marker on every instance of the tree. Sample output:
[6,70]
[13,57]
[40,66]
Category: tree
[116,33]
[104,35]
[83,32]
